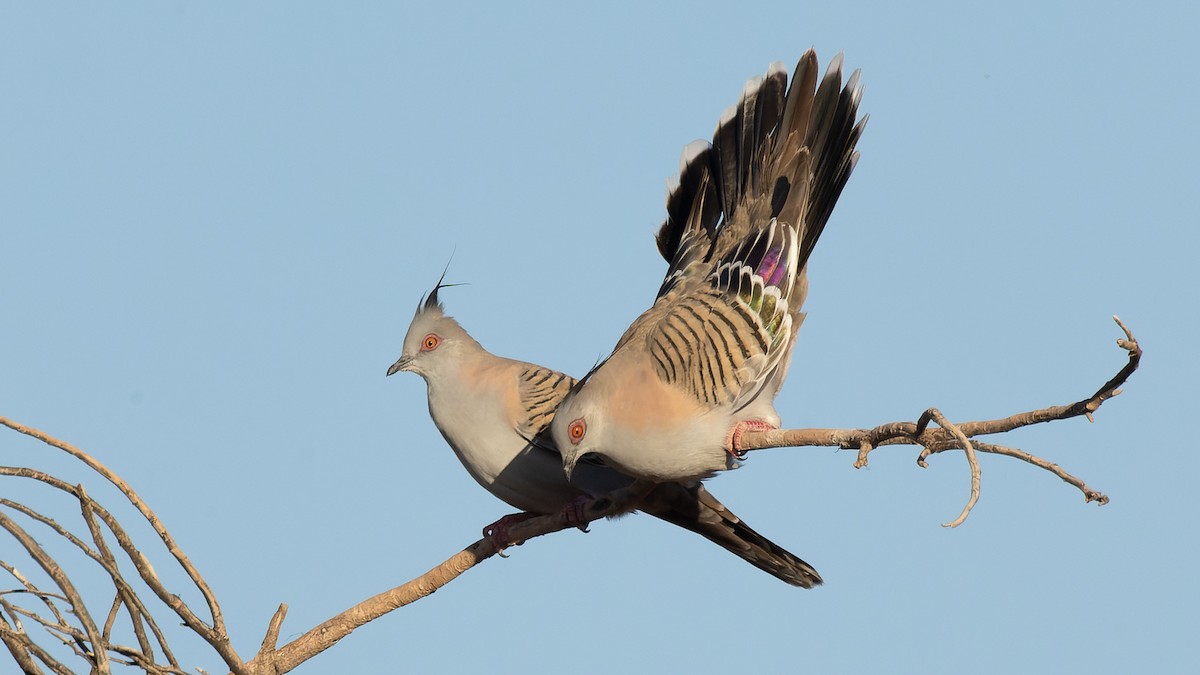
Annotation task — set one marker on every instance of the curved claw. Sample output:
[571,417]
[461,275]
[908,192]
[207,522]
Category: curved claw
[574,513]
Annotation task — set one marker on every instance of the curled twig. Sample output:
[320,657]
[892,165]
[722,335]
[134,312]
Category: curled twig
[972,460]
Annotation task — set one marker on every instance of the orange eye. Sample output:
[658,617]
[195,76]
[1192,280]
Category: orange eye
[576,431]
[430,343]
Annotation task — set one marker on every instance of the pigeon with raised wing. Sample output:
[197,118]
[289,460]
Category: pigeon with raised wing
[705,362]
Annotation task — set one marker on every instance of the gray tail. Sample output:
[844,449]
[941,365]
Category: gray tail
[694,508]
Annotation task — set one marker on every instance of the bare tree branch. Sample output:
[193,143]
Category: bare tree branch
[92,463]
[330,632]
[94,643]
[98,657]
[91,642]
[954,437]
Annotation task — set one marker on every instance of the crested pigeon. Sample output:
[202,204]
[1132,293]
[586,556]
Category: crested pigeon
[705,362]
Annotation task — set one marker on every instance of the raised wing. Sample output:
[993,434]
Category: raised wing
[720,340]
[741,223]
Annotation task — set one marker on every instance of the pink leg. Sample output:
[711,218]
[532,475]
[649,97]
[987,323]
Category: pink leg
[733,444]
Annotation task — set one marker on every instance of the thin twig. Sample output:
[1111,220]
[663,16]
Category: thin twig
[20,641]
[125,595]
[97,654]
[1089,495]
[954,437]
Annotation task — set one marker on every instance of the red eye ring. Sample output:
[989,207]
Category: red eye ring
[430,342]
[576,431]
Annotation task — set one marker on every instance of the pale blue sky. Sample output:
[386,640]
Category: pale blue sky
[217,218]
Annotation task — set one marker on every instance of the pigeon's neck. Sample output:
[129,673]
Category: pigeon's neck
[456,387]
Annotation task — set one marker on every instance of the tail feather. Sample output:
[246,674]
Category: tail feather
[694,508]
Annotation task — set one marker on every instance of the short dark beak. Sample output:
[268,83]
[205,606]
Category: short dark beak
[399,365]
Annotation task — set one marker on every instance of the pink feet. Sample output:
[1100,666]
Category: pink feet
[733,444]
